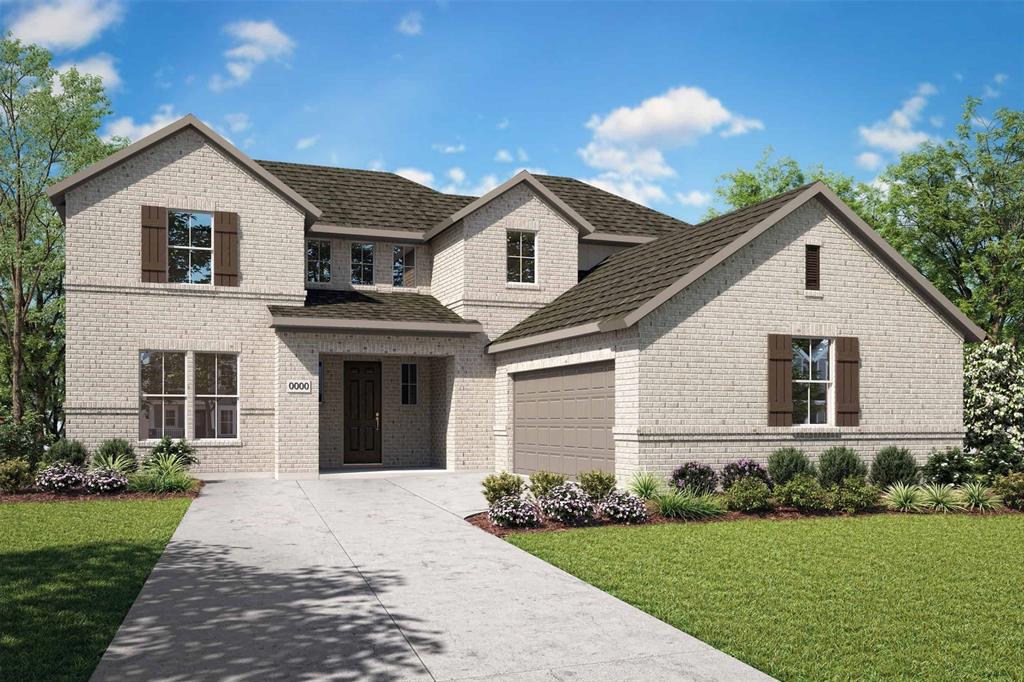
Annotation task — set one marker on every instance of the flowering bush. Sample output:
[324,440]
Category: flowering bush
[993,396]
[623,507]
[105,482]
[61,477]
[698,478]
[948,466]
[514,512]
[568,504]
[996,459]
[745,468]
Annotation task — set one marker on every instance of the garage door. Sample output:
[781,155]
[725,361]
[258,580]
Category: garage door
[562,419]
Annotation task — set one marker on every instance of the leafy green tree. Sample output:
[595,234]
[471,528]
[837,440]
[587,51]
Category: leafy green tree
[957,213]
[48,129]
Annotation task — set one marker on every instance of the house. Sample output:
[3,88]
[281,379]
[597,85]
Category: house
[288,319]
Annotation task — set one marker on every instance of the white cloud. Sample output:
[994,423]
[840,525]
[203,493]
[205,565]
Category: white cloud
[127,127]
[307,142]
[635,190]
[65,24]
[410,24]
[693,198]
[503,156]
[238,123]
[377,164]
[896,134]
[456,175]
[450,148]
[869,160]
[958,77]
[521,155]
[643,162]
[416,175]
[741,126]
[256,42]
[503,124]
[989,91]
[486,184]
[534,170]
[101,65]
[936,121]
[1000,78]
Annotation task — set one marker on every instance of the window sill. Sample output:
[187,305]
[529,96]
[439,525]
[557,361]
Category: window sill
[522,285]
[813,293]
[198,442]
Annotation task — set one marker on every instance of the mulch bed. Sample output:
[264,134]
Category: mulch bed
[7,498]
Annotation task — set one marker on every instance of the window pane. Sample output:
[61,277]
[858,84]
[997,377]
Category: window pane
[799,403]
[405,394]
[527,243]
[819,359]
[801,359]
[512,244]
[325,270]
[206,409]
[202,229]
[312,271]
[528,273]
[227,418]
[150,423]
[174,417]
[412,374]
[312,250]
[174,373]
[398,267]
[513,269]
[818,405]
[177,229]
[206,383]
[177,265]
[201,268]
[151,372]
[227,375]
[409,257]
[412,394]
[405,373]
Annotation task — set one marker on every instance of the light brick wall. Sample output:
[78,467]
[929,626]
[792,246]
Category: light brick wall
[383,258]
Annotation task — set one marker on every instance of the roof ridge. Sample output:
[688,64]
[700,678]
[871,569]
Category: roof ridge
[758,204]
[613,194]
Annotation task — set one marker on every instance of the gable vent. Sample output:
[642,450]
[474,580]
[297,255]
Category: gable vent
[812,267]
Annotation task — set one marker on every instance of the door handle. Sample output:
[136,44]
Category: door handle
[376,416]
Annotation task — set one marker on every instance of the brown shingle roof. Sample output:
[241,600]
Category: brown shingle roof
[629,279]
[369,305]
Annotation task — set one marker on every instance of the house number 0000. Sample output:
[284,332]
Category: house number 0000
[300,386]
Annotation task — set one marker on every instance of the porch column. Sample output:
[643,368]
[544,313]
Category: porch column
[297,425]
[470,429]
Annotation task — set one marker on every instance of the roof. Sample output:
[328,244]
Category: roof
[371,310]
[631,284]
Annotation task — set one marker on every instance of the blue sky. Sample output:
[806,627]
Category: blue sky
[653,101]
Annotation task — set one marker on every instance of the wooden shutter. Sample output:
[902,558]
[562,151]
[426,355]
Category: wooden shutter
[847,381]
[154,244]
[225,248]
[812,267]
[780,380]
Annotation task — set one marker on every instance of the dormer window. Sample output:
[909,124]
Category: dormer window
[362,264]
[521,257]
[190,247]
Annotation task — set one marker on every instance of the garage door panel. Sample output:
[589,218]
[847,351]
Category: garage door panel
[562,419]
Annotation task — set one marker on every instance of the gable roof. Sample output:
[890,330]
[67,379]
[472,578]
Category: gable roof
[372,311]
[632,284]
[58,190]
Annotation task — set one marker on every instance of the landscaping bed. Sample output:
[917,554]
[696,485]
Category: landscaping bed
[10,498]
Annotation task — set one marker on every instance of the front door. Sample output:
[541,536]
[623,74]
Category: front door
[362,413]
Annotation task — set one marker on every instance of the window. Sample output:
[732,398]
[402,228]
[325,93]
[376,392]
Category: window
[403,269]
[362,264]
[216,388]
[521,257]
[190,247]
[812,380]
[318,260]
[162,399]
[812,267]
[409,383]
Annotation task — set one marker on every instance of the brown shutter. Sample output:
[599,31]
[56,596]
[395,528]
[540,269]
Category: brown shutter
[847,381]
[154,244]
[812,267]
[780,380]
[225,248]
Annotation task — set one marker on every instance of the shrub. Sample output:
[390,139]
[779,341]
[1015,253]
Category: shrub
[903,497]
[15,475]
[543,481]
[893,465]
[154,483]
[786,463]
[498,486]
[181,449]
[993,396]
[646,485]
[61,478]
[950,466]
[623,507]
[70,451]
[941,497]
[852,495]
[678,504]
[803,492]
[745,468]
[514,512]
[996,459]
[20,439]
[597,484]
[978,497]
[1011,489]
[748,494]
[698,478]
[115,453]
[568,504]
[105,481]
[165,464]
[837,464]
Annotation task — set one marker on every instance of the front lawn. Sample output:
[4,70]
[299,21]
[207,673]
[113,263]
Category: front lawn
[68,573]
[877,597]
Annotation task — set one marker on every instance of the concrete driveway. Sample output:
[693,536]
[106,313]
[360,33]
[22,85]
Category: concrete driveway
[378,577]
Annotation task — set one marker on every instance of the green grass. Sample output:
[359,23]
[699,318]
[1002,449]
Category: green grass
[881,597]
[68,573]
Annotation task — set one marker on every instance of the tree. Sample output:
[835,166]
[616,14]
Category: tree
[957,213]
[48,124]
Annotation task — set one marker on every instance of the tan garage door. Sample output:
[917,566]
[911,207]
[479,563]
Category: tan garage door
[562,419]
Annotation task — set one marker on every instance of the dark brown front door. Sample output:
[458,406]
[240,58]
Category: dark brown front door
[362,413]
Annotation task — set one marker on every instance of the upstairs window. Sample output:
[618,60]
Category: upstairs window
[362,264]
[521,257]
[216,391]
[812,267]
[190,247]
[403,269]
[162,394]
[318,260]
[812,380]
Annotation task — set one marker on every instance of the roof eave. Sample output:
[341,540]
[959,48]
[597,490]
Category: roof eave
[328,230]
[374,326]
[585,329]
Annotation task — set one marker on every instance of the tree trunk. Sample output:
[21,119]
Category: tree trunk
[17,329]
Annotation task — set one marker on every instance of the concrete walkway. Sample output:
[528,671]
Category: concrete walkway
[379,578]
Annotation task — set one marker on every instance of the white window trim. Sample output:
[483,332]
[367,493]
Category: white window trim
[830,391]
[143,396]
[535,284]
[319,259]
[213,230]
[352,264]
[237,396]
